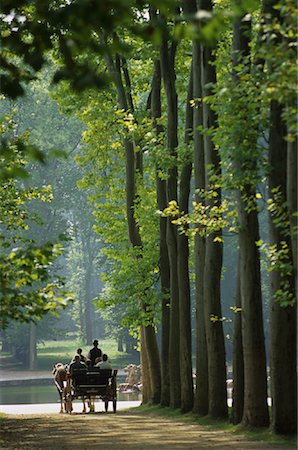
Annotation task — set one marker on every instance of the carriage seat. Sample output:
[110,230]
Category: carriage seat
[93,376]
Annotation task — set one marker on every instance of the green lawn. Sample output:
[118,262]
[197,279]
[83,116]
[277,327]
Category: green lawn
[51,352]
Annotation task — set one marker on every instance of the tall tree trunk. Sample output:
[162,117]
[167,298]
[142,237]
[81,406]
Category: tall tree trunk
[88,263]
[255,385]
[238,364]
[154,364]
[183,269]
[292,165]
[167,59]
[164,269]
[255,410]
[151,360]
[32,347]
[146,381]
[283,316]
[165,289]
[217,401]
[201,397]
[202,388]
[120,344]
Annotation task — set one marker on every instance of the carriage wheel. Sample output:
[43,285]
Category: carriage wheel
[106,405]
[114,405]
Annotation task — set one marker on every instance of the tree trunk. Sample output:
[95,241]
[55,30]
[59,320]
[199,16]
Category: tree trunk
[201,393]
[255,385]
[167,59]
[151,358]
[283,316]
[164,268]
[255,410]
[32,347]
[165,289]
[238,365]
[217,401]
[183,270]
[120,344]
[293,202]
[201,397]
[146,381]
[88,263]
[154,364]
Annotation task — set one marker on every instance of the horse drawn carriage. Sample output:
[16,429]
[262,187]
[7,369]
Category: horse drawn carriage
[94,382]
[89,384]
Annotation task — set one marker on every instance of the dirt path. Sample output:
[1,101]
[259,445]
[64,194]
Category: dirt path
[125,430]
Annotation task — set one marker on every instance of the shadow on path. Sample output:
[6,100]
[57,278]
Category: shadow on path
[125,430]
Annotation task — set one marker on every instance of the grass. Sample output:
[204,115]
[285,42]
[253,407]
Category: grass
[51,352]
[261,435]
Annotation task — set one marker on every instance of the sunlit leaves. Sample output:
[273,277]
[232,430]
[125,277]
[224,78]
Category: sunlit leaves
[26,292]
[204,219]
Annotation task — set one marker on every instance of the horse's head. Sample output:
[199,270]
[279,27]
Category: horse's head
[56,367]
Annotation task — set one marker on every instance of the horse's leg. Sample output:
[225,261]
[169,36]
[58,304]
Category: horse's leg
[67,397]
[61,402]
[91,403]
[84,406]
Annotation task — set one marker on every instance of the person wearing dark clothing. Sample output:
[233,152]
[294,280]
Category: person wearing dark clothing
[94,353]
[76,364]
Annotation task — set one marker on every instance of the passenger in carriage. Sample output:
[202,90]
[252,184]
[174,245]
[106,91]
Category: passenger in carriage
[82,357]
[88,362]
[104,364]
[94,353]
[76,364]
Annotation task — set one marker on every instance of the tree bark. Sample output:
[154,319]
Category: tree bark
[183,270]
[255,409]
[164,269]
[238,364]
[255,385]
[217,401]
[120,344]
[88,263]
[201,394]
[201,397]
[167,59]
[292,165]
[283,317]
[32,347]
[146,381]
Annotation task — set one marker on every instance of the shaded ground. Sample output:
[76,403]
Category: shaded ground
[126,430]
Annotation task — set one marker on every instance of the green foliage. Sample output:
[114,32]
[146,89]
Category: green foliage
[30,30]
[279,49]
[205,219]
[27,290]
[130,274]
[278,255]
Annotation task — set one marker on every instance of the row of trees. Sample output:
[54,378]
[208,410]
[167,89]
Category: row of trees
[40,211]
[230,68]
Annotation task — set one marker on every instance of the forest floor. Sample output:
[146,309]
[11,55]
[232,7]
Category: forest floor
[125,430]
